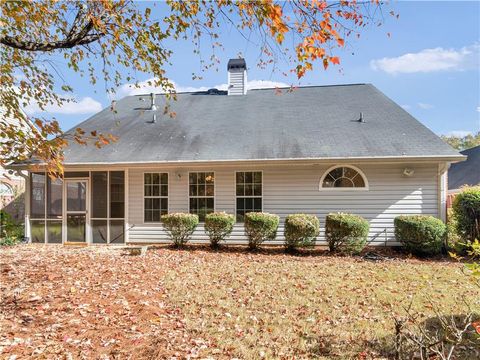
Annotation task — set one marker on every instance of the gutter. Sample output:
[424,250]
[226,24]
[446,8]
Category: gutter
[404,158]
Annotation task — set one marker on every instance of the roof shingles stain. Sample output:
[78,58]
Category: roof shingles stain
[310,122]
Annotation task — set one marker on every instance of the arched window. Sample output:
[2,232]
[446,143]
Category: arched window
[343,177]
[6,189]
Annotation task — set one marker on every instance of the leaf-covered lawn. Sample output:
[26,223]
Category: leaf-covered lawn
[98,302]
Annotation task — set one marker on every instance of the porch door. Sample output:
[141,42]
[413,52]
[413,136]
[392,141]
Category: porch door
[76,210]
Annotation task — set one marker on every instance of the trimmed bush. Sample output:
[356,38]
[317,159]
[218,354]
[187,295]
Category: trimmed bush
[260,227]
[218,226]
[180,226]
[346,233]
[300,230]
[466,208]
[420,234]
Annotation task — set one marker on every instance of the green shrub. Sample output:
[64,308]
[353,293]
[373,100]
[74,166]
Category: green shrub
[218,226]
[180,226]
[420,234]
[466,207]
[453,241]
[260,227]
[9,241]
[301,230]
[11,232]
[346,233]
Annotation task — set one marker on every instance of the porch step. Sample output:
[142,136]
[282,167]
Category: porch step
[80,244]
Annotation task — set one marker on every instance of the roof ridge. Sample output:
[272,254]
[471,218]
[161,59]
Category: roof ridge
[266,88]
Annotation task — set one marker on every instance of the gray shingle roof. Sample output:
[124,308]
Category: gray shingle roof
[466,172]
[309,122]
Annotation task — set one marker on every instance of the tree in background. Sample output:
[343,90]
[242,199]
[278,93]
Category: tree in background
[462,143]
[124,35]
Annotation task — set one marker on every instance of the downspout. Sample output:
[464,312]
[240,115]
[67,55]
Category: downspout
[27,230]
[442,187]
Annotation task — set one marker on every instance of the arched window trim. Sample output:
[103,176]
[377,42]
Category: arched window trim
[325,174]
[10,190]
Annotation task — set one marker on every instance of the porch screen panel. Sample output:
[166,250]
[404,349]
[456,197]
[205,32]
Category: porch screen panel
[54,198]
[37,231]
[37,198]
[117,232]
[117,194]
[99,194]
[107,203]
[54,232]
[99,231]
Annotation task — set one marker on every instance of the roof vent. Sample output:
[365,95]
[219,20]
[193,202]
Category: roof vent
[153,107]
[213,91]
[237,77]
[360,119]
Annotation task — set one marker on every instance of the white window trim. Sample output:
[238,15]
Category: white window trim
[325,174]
[155,197]
[214,190]
[9,189]
[235,188]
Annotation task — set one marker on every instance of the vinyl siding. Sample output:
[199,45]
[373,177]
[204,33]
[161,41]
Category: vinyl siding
[291,189]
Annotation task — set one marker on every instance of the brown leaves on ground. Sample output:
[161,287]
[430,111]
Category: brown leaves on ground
[87,303]
[96,302]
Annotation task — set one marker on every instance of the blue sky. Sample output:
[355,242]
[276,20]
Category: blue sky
[429,64]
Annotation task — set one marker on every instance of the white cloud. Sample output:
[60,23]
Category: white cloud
[425,106]
[430,60]
[145,87]
[85,105]
[406,107]
[478,108]
[459,133]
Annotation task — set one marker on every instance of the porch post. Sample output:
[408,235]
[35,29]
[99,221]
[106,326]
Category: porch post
[27,230]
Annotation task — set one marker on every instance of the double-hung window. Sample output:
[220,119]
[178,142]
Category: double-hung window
[249,192]
[155,196]
[201,193]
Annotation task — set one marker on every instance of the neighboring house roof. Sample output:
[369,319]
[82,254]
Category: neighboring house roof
[318,122]
[26,127]
[466,172]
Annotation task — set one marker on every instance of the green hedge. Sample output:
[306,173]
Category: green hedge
[301,230]
[346,233]
[11,232]
[466,209]
[180,226]
[260,227]
[218,226]
[420,234]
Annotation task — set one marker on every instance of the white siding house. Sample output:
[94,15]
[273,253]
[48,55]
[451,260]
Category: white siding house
[291,189]
[313,150]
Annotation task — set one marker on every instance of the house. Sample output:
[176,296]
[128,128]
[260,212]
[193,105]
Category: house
[464,173]
[316,149]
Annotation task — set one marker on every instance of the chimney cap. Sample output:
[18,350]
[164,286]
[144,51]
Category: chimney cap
[237,64]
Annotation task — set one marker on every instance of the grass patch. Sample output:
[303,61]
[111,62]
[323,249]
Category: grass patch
[253,306]
[95,302]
